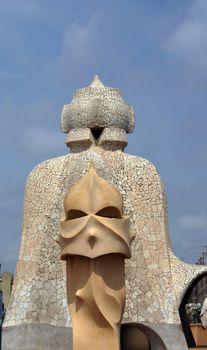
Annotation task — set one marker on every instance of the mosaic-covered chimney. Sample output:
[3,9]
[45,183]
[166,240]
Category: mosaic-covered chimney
[97,123]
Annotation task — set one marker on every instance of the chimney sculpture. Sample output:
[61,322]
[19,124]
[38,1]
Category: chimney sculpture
[85,207]
[95,238]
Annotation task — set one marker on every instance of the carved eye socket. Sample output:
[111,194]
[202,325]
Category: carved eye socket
[75,214]
[109,212]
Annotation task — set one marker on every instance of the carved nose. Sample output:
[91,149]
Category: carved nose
[92,237]
[91,231]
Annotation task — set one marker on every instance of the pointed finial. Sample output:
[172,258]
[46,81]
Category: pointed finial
[96,83]
[97,107]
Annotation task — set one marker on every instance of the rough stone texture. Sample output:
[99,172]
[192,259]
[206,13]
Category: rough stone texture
[97,105]
[6,286]
[155,279]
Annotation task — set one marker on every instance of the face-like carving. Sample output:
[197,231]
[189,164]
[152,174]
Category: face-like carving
[93,224]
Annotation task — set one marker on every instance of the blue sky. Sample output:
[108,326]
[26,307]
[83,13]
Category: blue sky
[155,51]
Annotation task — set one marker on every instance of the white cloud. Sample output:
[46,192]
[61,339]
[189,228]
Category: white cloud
[81,46]
[77,42]
[193,222]
[189,41]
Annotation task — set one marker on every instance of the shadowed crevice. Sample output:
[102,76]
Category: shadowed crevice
[96,132]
